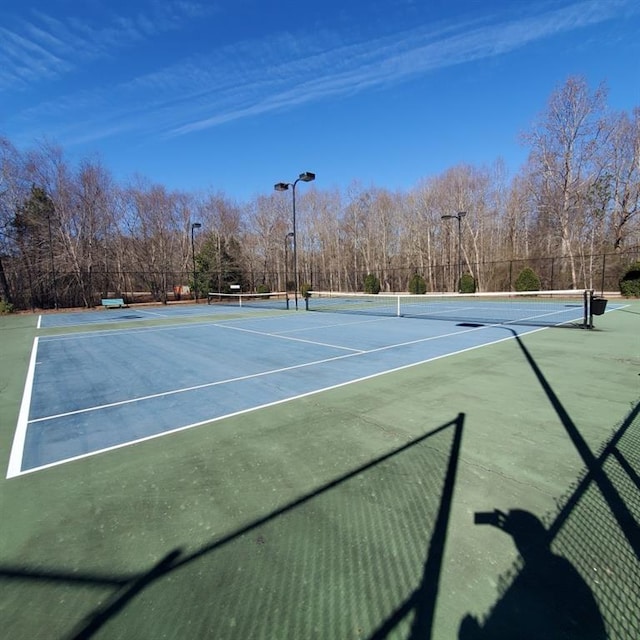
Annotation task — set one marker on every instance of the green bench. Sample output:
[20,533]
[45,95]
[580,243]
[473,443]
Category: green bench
[113,303]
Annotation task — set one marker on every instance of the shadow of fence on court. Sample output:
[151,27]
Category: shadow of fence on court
[594,533]
[346,560]
[597,528]
[361,556]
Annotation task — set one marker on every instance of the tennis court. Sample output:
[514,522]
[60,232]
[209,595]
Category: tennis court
[132,384]
[215,471]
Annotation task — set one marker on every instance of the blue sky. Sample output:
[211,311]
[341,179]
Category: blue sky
[235,95]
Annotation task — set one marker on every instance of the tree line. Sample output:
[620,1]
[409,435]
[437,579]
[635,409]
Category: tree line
[70,235]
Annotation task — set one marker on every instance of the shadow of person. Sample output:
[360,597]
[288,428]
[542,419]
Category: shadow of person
[547,600]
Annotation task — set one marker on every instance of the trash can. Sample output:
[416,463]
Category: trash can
[598,306]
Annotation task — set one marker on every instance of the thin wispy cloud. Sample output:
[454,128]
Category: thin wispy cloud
[389,61]
[251,78]
[46,46]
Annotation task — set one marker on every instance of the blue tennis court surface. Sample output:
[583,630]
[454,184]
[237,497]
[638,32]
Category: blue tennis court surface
[93,391]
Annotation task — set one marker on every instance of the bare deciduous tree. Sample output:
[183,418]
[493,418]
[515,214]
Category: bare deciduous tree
[564,147]
[70,234]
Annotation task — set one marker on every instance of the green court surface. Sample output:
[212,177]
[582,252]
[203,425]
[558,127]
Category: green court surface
[493,493]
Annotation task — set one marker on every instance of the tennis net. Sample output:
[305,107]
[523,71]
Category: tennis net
[278,300]
[537,308]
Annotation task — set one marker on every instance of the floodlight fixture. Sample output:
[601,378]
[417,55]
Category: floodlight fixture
[194,225]
[307,176]
[458,216]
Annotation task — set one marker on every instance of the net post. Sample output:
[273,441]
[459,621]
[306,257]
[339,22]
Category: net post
[588,306]
[398,314]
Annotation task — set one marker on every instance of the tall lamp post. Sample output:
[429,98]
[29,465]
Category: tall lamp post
[286,266]
[307,176]
[458,216]
[194,225]
[53,266]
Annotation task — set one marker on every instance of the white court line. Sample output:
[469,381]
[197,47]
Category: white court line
[337,324]
[266,405]
[154,313]
[279,336]
[17,448]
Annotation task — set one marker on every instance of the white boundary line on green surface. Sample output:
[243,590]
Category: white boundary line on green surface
[17,448]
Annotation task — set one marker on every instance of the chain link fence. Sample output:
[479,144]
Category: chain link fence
[56,289]
[599,272]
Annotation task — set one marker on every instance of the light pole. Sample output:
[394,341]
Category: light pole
[307,176]
[53,267]
[286,266]
[194,225]
[458,217]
